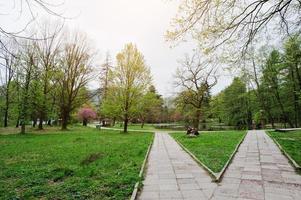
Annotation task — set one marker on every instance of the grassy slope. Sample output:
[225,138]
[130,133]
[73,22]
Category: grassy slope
[59,166]
[212,148]
[290,142]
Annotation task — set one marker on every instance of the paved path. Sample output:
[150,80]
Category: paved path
[258,171]
[173,174]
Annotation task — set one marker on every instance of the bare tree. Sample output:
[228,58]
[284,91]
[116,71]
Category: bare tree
[27,10]
[195,78]
[74,75]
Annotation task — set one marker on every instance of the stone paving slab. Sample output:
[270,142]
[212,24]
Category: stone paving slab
[258,171]
[173,174]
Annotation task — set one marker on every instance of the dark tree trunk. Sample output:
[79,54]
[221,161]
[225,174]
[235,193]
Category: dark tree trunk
[5,117]
[40,124]
[64,120]
[22,128]
[142,124]
[196,120]
[296,99]
[18,122]
[64,125]
[6,105]
[85,122]
[34,123]
[125,126]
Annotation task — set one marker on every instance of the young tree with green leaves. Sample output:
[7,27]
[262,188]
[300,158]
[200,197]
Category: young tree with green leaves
[129,80]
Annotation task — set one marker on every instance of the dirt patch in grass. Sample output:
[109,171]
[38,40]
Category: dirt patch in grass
[91,158]
[79,139]
[59,174]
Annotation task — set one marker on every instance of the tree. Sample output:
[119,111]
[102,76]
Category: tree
[105,70]
[85,114]
[292,61]
[48,50]
[272,82]
[129,82]
[195,79]
[76,62]
[214,23]
[29,72]
[148,105]
[10,61]
[235,105]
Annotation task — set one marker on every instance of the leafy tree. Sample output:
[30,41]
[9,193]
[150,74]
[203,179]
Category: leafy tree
[74,75]
[28,74]
[235,105]
[48,50]
[129,82]
[148,106]
[85,114]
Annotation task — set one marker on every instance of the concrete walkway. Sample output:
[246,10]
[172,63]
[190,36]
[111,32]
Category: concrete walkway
[173,174]
[259,171]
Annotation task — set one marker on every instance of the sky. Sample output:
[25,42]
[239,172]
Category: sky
[110,24]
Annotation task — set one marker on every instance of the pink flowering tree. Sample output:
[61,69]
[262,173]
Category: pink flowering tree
[86,114]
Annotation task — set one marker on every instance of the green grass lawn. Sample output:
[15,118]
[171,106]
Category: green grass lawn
[212,148]
[82,163]
[290,142]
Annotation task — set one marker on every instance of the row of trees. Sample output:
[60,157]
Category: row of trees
[45,78]
[268,91]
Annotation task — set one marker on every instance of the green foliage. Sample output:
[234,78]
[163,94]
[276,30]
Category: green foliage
[213,149]
[83,164]
[128,82]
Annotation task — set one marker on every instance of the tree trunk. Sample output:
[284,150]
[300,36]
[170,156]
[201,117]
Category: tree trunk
[6,106]
[34,123]
[85,122]
[142,124]
[196,120]
[5,117]
[64,125]
[64,120]
[22,128]
[125,126]
[296,99]
[40,124]
[18,122]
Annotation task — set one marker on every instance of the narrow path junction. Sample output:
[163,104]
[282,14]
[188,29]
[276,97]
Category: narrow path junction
[258,171]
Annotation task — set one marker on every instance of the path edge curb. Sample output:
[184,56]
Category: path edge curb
[291,160]
[136,187]
[221,173]
[217,177]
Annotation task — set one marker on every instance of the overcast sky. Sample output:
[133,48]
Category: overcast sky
[110,24]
